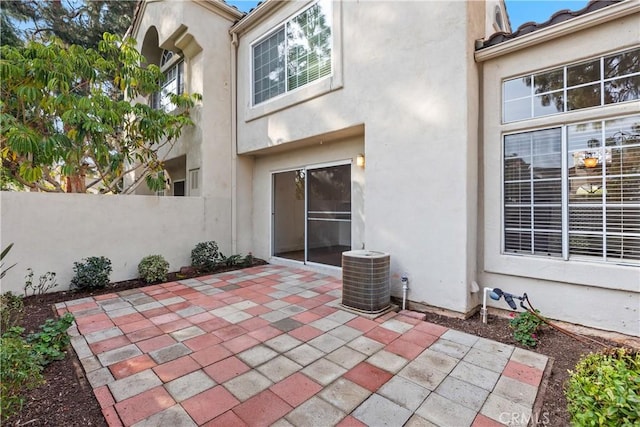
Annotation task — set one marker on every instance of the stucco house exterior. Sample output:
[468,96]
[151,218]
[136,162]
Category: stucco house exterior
[427,130]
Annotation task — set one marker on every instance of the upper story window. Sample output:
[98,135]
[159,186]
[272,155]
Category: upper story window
[298,52]
[172,66]
[601,81]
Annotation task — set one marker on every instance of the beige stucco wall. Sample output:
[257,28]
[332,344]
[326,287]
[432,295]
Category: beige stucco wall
[491,25]
[202,30]
[52,231]
[595,294]
[406,71]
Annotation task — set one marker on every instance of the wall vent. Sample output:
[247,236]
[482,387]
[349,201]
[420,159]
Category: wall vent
[365,281]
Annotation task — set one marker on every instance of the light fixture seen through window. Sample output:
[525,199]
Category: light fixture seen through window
[590,162]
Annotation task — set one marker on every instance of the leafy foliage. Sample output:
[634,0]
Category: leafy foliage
[19,370]
[231,260]
[23,359]
[153,268]
[75,22]
[525,327]
[11,311]
[67,122]
[49,343]
[235,260]
[604,389]
[205,256]
[45,282]
[92,272]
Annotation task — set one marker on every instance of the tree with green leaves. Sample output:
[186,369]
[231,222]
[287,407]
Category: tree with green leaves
[80,22]
[74,119]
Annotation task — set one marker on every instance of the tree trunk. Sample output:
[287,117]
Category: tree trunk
[76,184]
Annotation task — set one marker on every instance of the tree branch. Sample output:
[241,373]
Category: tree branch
[36,184]
[49,178]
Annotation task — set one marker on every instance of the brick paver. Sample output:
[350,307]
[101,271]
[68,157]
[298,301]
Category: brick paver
[271,345]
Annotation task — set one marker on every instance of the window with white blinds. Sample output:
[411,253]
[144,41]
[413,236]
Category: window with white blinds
[533,192]
[295,54]
[574,191]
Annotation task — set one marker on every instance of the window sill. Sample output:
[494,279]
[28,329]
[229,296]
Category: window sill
[290,99]
[581,272]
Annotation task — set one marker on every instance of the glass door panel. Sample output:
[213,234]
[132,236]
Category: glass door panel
[288,214]
[328,214]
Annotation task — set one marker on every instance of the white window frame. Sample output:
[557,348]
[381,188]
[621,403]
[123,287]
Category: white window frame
[327,5]
[171,62]
[324,85]
[566,204]
[565,88]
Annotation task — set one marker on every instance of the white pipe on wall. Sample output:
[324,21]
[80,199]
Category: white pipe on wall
[405,289]
[483,311]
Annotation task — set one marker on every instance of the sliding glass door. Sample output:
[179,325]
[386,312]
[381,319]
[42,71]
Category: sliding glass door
[328,214]
[312,214]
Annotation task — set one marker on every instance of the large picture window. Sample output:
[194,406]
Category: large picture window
[574,191]
[600,81]
[295,54]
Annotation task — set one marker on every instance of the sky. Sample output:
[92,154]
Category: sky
[520,11]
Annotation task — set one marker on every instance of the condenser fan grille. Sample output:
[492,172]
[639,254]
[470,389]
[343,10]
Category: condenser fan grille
[365,281]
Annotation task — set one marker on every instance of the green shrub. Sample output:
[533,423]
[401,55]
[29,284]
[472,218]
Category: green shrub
[231,260]
[92,273]
[153,268]
[205,256]
[525,328]
[604,389]
[20,369]
[11,311]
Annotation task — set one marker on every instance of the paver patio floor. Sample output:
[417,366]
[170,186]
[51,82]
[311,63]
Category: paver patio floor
[271,345]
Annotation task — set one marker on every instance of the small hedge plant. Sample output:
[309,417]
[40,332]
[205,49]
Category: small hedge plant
[91,273]
[153,268]
[205,256]
[604,389]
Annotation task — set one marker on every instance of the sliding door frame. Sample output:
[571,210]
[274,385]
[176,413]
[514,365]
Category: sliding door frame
[306,168]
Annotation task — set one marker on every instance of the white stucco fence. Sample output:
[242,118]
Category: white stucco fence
[52,231]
